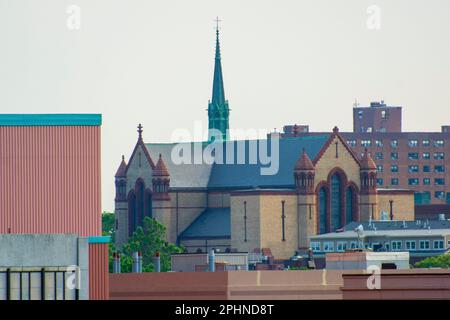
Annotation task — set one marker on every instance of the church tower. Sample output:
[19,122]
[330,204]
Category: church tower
[304,175]
[218,111]
[368,194]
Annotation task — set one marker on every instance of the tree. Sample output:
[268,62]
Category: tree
[441,261]
[149,239]
[108,224]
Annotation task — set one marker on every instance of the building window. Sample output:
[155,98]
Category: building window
[426,143]
[349,201]
[353,245]
[439,181]
[410,245]
[315,246]
[426,181]
[394,143]
[426,168]
[379,143]
[439,194]
[351,143]
[396,245]
[394,168]
[413,181]
[426,155]
[379,156]
[336,187]
[341,246]
[379,181]
[438,244]
[384,115]
[328,246]
[366,143]
[439,143]
[394,181]
[322,210]
[413,156]
[413,143]
[424,245]
[438,155]
[439,168]
[379,168]
[394,156]
[422,197]
[413,168]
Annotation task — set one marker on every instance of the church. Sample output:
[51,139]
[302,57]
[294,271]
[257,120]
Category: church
[319,186]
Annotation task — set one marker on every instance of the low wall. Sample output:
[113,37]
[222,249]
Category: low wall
[238,285]
[399,284]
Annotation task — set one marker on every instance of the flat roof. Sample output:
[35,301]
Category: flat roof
[383,233]
[51,119]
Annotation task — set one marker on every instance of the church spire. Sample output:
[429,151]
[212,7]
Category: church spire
[218,94]
[218,111]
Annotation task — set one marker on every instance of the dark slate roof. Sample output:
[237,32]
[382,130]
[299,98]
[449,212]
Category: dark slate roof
[217,176]
[211,223]
[400,225]
[249,175]
[183,175]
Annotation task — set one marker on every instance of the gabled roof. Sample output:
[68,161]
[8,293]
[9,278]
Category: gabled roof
[140,143]
[236,175]
[213,223]
[344,143]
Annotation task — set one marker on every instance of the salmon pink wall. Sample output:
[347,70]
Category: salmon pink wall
[50,179]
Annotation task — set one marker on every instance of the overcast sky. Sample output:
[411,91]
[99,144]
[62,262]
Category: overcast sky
[284,62]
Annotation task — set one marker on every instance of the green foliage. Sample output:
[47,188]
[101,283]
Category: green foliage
[441,261]
[148,239]
[108,224]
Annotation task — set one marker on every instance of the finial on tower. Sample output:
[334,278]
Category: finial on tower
[140,127]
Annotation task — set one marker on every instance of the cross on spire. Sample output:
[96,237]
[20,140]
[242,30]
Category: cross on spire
[140,127]
[217,24]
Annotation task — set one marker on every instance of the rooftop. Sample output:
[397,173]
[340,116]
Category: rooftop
[59,119]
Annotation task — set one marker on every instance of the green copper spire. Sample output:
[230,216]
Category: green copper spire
[218,111]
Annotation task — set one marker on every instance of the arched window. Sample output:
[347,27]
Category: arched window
[132,214]
[322,203]
[335,205]
[140,201]
[148,203]
[349,202]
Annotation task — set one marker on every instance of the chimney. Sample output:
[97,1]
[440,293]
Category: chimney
[135,266]
[212,261]
[157,262]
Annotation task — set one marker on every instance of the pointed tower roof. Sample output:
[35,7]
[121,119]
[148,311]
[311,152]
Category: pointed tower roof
[122,168]
[304,162]
[160,168]
[218,93]
[367,162]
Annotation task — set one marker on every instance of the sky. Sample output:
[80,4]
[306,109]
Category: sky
[284,62]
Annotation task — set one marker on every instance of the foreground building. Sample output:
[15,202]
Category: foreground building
[50,209]
[318,184]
